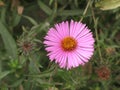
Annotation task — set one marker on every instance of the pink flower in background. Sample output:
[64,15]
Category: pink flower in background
[69,44]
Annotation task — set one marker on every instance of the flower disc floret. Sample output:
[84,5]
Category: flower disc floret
[68,44]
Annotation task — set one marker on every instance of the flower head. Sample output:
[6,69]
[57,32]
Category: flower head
[25,46]
[103,73]
[69,44]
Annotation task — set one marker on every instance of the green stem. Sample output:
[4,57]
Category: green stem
[96,33]
[85,11]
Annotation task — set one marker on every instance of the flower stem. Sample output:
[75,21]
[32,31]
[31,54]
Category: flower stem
[96,33]
[85,11]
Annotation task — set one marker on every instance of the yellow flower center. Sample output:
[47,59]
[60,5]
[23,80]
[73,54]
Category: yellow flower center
[68,44]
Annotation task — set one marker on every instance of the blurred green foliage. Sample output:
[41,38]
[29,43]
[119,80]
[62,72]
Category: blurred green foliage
[23,61]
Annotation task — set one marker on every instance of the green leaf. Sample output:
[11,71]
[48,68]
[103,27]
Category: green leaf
[70,12]
[3,15]
[108,4]
[16,19]
[44,7]
[43,83]
[8,40]
[17,83]
[3,74]
[0,66]
[50,2]
[31,20]
[38,28]
[41,75]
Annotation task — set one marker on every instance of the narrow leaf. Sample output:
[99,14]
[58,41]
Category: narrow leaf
[17,83]
[16,19]
[8,40]
[44,7]
[70,12]
[3,15]
[31,20]
[3,74]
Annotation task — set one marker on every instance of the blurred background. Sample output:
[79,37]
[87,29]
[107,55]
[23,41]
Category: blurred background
[23,61]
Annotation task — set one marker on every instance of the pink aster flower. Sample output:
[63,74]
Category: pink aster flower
[69,44]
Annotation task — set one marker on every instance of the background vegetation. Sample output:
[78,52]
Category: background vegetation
[23,61]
